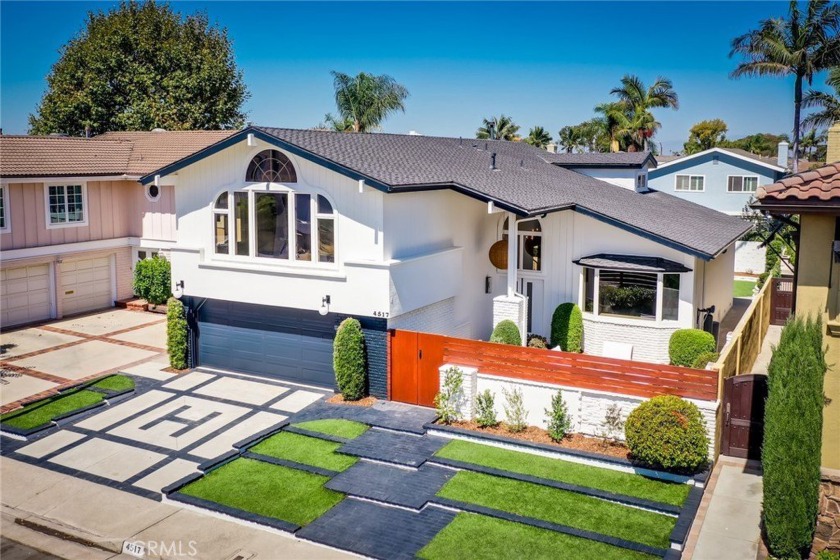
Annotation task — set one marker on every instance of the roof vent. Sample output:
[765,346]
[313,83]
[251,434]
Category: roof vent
[493,161]
[158,130]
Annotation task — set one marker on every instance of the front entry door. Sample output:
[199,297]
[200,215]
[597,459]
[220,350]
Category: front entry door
[743,420]
[532,288]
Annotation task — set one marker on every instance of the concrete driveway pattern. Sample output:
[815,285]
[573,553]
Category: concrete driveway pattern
[36,361]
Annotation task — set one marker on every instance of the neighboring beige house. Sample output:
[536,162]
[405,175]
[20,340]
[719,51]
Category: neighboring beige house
[74,218]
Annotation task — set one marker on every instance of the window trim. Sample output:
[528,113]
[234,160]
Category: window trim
[690,176]
[520,244]
[7,210]
[742,191]
[47,221]
[596,298]
[149,197]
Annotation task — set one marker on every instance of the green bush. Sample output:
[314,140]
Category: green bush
[559,422]
[827,555]
[153,280]
[705,359]
[451,394]
[349,360]
[686,346]
[506,332]
[567,328]
[485,412]
[537,341]
[668,432]
[793,422]
[515,414]
[176,333]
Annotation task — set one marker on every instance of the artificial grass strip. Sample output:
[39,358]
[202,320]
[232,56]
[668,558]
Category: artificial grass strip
[608,480]
[43,411]
[743,288]
[338,427]
[115,383]
[306,450]
[560,506]
[271,490]
[479,537]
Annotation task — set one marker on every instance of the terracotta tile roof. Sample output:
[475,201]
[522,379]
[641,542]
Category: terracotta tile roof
[112,153]
[820,185]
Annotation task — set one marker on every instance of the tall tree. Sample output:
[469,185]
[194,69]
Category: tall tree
[569,138]
[367,100]
[538,137]
[336,124]
[762,143]
[636,100]
[704,135]
[502,126]
[829,103]
[139,66]
[814,144]
[800,45]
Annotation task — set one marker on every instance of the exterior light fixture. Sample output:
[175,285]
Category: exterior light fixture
[178,292]
[325,305]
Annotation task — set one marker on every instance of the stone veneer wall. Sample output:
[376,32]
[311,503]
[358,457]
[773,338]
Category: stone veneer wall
[513,308]
[649,340]
[827,535]
[586,407]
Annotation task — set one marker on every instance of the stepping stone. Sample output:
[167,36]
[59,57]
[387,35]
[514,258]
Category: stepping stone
[377,531]
[393,447]
[393,485]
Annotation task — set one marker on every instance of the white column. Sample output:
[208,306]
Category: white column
[513,253]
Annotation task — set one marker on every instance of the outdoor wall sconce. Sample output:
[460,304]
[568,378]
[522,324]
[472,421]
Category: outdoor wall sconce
[488,284]
[325,305]
[179,289]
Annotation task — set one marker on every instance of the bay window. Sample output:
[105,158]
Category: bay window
[627,293]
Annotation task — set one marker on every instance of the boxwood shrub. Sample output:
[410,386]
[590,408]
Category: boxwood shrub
[705,359]
[686,345]
[506,332]
[567,328]
[153,280]
[349,359]
[792,443]
[668,432]
[176,333]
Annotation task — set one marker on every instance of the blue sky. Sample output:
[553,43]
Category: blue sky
[542,63]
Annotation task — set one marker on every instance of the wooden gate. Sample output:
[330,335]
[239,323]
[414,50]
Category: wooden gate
[743,420]
[781,300]
[415,360]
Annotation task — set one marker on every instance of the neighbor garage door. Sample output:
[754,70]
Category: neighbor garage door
[24,295]
[274,342]
[86,285]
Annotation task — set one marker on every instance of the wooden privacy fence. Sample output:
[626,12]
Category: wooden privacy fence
[414,369]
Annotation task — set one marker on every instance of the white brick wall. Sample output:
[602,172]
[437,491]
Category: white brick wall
[749,257]
[512,308]
[587,408]
[650,341]
[437,318]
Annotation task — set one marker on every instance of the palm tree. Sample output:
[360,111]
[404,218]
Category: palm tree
[503,128]
[538,137]
[367,100]
[812,142]
[615,123]
[636,101]
[337,124]
[830,103]
[568,138]
[801,45]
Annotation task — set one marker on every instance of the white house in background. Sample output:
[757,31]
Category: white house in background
[282,233]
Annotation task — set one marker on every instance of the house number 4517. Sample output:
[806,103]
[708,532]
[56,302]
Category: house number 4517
[380,314]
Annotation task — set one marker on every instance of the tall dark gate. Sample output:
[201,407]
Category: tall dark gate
[781,300]
[743,420]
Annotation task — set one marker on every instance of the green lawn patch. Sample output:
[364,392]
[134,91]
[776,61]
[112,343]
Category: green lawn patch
[271,490]
[43,411]
[306,450]
[608,480]
[115,383]
[743,288]
[347,429]
[479,537]
[560,506]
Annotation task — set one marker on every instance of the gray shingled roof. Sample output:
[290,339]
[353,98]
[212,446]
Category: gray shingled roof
[596,159]
[523,179]
[632,263]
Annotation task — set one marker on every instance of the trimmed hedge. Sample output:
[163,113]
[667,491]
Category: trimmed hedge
[567,328]
[705,359]
[153,280]
[668,432]
[176,333]
[687,345]
[793,422]
[349,360]
[506,332]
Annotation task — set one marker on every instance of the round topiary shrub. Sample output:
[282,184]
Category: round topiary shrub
[537,341]
[705,359]
[349,359]
[567,328]
[686,345]
[668,432]
[506,332]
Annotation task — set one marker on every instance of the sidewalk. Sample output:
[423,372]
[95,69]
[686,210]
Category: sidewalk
[103,518]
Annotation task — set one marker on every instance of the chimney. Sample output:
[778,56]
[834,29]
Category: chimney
[551,148]
[833,150]
[782,158]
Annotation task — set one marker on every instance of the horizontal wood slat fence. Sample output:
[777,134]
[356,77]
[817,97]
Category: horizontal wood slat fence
[583,371]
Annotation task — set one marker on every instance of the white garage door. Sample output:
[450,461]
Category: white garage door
[86,285]
[24,295]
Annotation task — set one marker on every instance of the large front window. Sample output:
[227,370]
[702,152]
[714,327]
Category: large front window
[65,205]
[625,293]
[529,256]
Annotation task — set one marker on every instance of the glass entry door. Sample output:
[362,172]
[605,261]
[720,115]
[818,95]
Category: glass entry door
[532,288]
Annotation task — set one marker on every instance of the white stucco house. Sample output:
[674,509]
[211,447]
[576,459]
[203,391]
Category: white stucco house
[282,233]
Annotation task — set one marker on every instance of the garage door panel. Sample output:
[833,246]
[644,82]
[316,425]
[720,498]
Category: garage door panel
[86,285]
[25,295]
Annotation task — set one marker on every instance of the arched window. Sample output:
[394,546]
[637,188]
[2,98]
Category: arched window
[529,243]
[271,166]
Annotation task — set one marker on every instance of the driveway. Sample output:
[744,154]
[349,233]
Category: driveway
[36,361]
